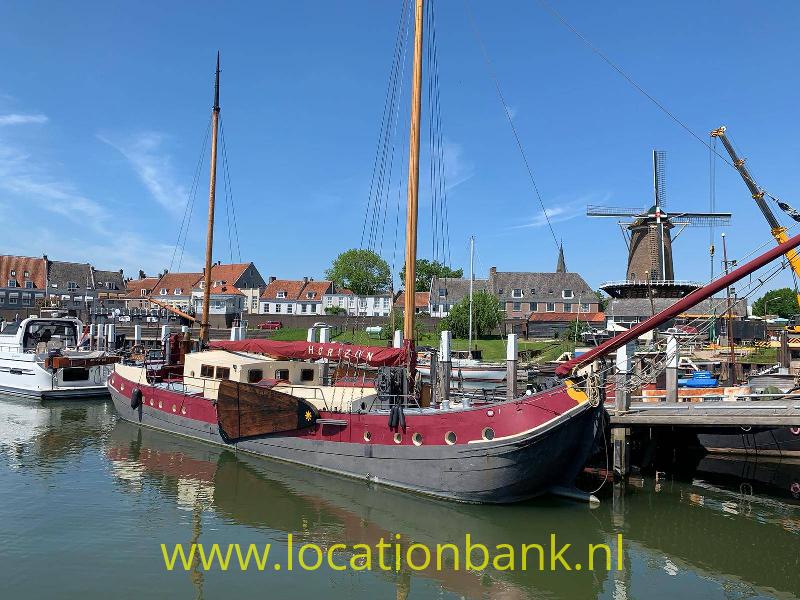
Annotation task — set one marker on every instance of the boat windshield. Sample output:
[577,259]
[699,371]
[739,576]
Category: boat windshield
[11,328]
[50,331]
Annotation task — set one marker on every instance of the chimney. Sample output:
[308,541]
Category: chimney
[142,274]
[305,279]
[272,278]
[493,271]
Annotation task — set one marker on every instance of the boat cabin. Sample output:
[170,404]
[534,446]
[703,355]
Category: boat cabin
[28,334]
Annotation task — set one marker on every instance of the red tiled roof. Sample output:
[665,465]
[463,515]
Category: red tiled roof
[136,286]
[177,281]
[560,317]
[36,268]
[229,273]
[290,287]
[421,299]
[226,289]
[318,288]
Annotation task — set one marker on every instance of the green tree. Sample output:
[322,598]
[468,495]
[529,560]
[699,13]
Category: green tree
[362,271]
[426,270]
[602,299]
[781,302]
[486,315]
[335,310]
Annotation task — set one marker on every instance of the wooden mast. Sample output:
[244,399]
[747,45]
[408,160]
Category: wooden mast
[413,177]
[211,193]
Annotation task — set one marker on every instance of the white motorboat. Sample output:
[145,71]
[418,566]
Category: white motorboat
[43,358]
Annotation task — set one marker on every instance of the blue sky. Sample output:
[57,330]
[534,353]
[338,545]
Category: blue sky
[103,107]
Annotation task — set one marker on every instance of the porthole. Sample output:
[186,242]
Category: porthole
[174,408]
[450,438]
[160,404]
[487,433]
[121,387]
[367,436]
[417,439]
[151,402]
[398,437]
[183,410]
[112,381]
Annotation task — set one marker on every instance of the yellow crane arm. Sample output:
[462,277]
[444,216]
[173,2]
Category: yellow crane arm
[777,230]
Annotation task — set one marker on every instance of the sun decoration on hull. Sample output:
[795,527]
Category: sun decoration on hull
[308,415]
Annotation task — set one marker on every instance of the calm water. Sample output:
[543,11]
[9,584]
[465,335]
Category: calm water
[86,501]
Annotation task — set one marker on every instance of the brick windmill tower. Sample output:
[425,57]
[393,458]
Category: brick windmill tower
[649,235]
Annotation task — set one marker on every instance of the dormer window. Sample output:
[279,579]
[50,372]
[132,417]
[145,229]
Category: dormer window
[26,273]
[567,294]
[533,291]
[310,295]
[72,286]
[144,293]
[516,293]
[500,291]
[178,291]
[29,285]
[163,291]
[442,292]
[12,283]
[13,273]
[281,294]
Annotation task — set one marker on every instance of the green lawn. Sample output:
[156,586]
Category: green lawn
[493,347]
[764,356]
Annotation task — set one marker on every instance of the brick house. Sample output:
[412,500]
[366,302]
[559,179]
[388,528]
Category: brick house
[245,277]
[422,302]
[23,281]
[446,293]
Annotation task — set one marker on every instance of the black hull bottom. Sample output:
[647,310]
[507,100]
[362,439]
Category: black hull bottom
[773,441]
[495,472]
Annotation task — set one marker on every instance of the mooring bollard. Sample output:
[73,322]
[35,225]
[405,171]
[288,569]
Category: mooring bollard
[397,342]
[234,334]
[512,349]
[91,335]
[310,335]
[111,338]
[672,368]
[137,334]
[444,368]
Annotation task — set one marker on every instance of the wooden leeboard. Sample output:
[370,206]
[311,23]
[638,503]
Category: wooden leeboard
[246,410]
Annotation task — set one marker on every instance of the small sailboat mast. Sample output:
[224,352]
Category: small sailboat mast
[211,196]
[471,281]
[413,178]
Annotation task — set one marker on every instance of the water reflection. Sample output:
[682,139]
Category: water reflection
[730,530]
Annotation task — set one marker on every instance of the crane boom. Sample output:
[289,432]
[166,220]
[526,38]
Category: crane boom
[171,309]
[777,230]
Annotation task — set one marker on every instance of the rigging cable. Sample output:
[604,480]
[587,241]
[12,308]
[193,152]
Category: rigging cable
[507,111]
[229,199]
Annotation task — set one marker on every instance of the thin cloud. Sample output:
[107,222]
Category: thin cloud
[20,119]
[153,166]
[563,210]
[457,169]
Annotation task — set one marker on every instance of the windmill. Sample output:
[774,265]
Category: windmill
[649,233]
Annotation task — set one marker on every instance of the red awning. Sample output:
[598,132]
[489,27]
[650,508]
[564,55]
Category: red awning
[375,356]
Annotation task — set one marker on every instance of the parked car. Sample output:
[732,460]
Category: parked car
[152,319]
[320,324]
[270,325]
[124,319]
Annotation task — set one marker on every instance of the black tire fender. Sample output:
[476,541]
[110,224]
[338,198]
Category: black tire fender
[136,398]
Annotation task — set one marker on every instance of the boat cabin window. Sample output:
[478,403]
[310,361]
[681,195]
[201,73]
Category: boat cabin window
[307,375]
[282,374]
[223,373]
[49,331]
[206,371]
[255,375]
[11,328]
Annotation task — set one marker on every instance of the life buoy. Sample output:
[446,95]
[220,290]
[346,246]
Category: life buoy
[795,430]
[136,398]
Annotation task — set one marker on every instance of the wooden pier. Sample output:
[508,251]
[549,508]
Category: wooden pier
[783,412]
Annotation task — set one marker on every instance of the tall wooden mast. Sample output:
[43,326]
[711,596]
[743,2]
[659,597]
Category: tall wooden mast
[211,193]
[413,177]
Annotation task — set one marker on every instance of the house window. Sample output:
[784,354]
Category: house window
[13,299]
[307,375]
[584,307]
[533,291]
[26,299]
[304,308]
[163,291]
[223,373]
[143,292]
[72,286]
[254,304]
[277,308]
[13,273]
[516,306]
[567,307]
[516,293]
[29,285]
[281,294]
[311,295]
[178,291]
[434,308]
[289,308]
[255,375]
[12,283]
[26,273]
[567,294]
[442,292]
[500,291]
[534,307]
[551,307]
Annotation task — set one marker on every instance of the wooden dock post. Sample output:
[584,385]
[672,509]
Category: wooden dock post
[672,368]
[784,356]
[444,369]
[137,335]
[92,328]
[512,348]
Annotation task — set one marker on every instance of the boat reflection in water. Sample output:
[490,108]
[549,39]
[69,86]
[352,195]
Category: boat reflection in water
[705,536]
